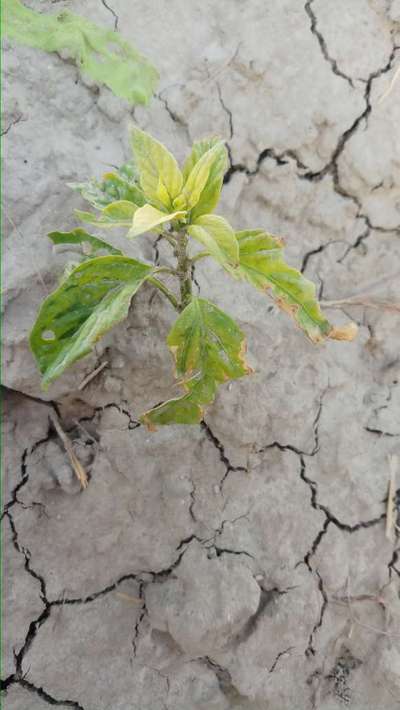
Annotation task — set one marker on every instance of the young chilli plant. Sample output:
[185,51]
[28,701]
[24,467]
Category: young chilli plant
[152,194]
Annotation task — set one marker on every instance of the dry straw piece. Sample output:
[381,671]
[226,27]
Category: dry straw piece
[75,463]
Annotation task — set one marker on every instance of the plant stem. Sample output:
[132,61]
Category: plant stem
[162,287]
[183,272]
[184,269]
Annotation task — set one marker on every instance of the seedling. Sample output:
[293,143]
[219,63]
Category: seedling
[152,194]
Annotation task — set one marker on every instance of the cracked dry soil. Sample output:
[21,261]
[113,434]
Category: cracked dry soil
[242,564]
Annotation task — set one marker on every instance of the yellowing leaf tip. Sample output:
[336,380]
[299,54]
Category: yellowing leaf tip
[242,358]
[150,426]
[348,332]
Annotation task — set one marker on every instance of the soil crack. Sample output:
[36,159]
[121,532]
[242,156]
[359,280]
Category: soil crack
[44,695]
[174,116]
[226,110]
[322,43]
[310,650]
[221,450]
[16,120]
[224,679]
[114,14]
[280,654]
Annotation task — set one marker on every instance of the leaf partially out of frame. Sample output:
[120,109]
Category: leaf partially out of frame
[116,214]
[263,266]
[92,299]
[83,242]
[208,348]
[101,54]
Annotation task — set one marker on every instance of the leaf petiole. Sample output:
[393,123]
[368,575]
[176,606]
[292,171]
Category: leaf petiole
[163,288]
[200,255]
[169,238]
[166,270]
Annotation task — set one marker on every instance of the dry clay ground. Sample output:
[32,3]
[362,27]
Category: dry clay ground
[240,564]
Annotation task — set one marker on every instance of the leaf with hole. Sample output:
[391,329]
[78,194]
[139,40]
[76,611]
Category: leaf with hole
[92,299]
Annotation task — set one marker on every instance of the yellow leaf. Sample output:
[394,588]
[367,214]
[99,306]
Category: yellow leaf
[146,218]
[160,177]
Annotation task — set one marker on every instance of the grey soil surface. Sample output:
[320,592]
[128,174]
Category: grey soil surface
[243,563]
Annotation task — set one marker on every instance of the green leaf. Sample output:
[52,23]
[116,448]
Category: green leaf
[129,172]
[199,148]
[160,177]
[198,179]
[117,214]
[208,348]
[101,54]
[216,234]
[92,299]
[263,266]
[211,191]
[89,246]
[147,218]
[113,186]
